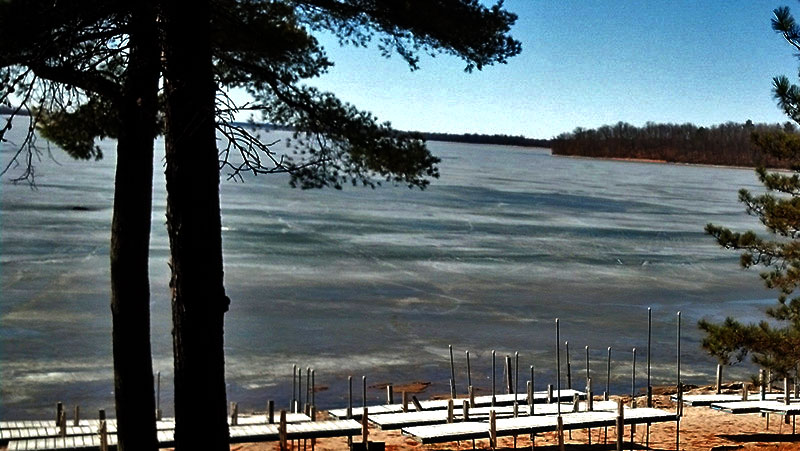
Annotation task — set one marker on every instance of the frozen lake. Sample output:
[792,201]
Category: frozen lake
[379,282]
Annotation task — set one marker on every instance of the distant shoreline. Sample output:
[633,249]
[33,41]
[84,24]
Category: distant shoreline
[654,161]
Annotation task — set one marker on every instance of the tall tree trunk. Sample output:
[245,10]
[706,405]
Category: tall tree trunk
[194,225]
[130,237]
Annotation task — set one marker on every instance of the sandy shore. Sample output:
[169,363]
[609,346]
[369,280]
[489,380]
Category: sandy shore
[701,429]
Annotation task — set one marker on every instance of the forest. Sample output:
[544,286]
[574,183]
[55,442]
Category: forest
[473,138]
[729,144]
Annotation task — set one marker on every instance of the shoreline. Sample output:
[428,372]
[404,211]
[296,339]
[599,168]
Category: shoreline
[700,428]
[675,163]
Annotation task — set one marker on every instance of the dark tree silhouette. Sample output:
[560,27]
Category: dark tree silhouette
[267,48]
[772,344]
[68,73]
[83,76]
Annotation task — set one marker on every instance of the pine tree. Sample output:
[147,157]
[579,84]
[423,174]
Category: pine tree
[774,343]
[266,47]
[90,69]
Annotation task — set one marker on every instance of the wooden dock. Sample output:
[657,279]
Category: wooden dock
[480,401]
[399,420]
[707,400]
[166,439]
[769,406]
[533,424]
[16,430]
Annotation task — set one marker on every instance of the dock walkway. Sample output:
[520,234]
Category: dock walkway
[707,400]
[480,401]
[533,424]
[757,406]
[41,429]
[399,420]
[239,434]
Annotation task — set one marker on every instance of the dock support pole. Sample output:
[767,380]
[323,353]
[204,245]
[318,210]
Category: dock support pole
[404,396]
[469,372]
[719,378]
[364,391]
[620,425]
[516,374]
[234,414]
[560,432]
[649,391]
[633,379]
[762,388]
[450,413]
[587,362]
[452,374]
[492,429]
[299,406]
[349,397]
[59,409]
[494,372]
[633,434]
[307,407]
[608,376]
[103,436]
[293,403]
[589,401]
[678,367]
[270,412]
[77,420]
[532,391]
[558,367]
[389,394]
[530,397]
[471,395]
[569,367]
[62,424]
[282,430]
[509,376]
[158,396]
[365,429]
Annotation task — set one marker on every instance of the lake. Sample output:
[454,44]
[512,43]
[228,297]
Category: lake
[380,282]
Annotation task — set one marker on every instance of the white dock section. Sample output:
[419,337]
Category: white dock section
[534,424]
[741,407]
[399,420]
[296,431]
[707,400]
[782,408]
[15,430]
[5,426]
[238,434]
[480,401]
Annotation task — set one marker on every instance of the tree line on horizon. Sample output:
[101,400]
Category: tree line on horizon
[729,144]
[469,138]
[495,139]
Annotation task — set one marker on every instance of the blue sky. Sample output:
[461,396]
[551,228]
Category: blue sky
[586,63]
